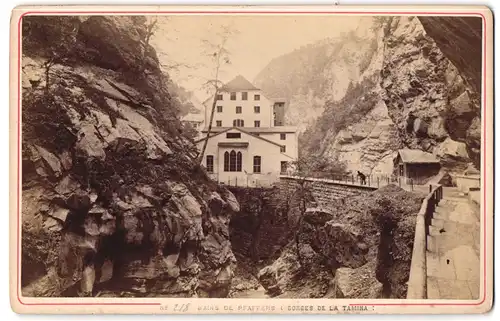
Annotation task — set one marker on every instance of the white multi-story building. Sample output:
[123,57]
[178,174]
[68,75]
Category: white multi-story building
[249,144]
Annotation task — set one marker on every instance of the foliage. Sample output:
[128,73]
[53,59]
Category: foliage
[49,36]
[318,167]
[367,58]
[394,216]
[360,99]
[181,98]
[39,124]
[189,131]
[39,253]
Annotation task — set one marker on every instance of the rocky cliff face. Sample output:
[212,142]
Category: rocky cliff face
[317,73]
[416,90]
[357,129]
[432,106]
[358,249]
[460,40]
[114,203]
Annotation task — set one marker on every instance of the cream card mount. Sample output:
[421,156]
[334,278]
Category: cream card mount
[259,159]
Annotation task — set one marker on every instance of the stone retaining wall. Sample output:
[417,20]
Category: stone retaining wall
[324,191]
[465,183]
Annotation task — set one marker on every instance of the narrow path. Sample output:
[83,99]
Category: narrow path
[453,249]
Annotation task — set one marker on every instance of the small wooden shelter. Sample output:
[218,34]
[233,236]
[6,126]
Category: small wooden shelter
[416,165]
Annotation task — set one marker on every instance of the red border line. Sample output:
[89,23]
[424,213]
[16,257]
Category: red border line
[396,13]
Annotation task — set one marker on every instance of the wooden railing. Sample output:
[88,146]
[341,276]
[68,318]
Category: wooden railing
[417,282]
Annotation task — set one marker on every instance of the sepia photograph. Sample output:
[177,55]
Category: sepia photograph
[252,156]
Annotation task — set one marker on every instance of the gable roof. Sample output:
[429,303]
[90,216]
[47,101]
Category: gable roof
[239,83]
[241,130]
[417,156]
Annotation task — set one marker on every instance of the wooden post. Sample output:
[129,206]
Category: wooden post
[236,181]
[430,188]
[378,182]
[352,178]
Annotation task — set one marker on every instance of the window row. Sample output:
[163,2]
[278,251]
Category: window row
[238,123]
[238,135]
[244,96]
[256,109]
[233,163]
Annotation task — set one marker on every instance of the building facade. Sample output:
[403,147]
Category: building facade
[249,144]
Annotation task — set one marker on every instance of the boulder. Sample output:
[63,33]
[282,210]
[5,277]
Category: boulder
[359,283]
[461,104]
[437,129]
[100,33]
[452,150]
[344,137]
[89,143]
[277,277]
[67,186]
[341,244]
[420,127]
[317,216]
[32,73]
[50,159]
[471,170]
[269,280]
[66,160]
[231,200]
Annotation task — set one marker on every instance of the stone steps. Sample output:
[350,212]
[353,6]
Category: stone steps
[452,257]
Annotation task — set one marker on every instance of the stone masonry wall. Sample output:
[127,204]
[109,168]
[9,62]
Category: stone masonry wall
[325,192]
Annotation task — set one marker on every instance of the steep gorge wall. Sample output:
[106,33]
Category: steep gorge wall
[358,247]
[314,74]
[460,40]
[108,177]
[420,93]
[356,128]
[432,106]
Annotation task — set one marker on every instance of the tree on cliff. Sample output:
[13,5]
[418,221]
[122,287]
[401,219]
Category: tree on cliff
[219,55]
[58,44]
[295,200]
[151,29]
[359,99]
